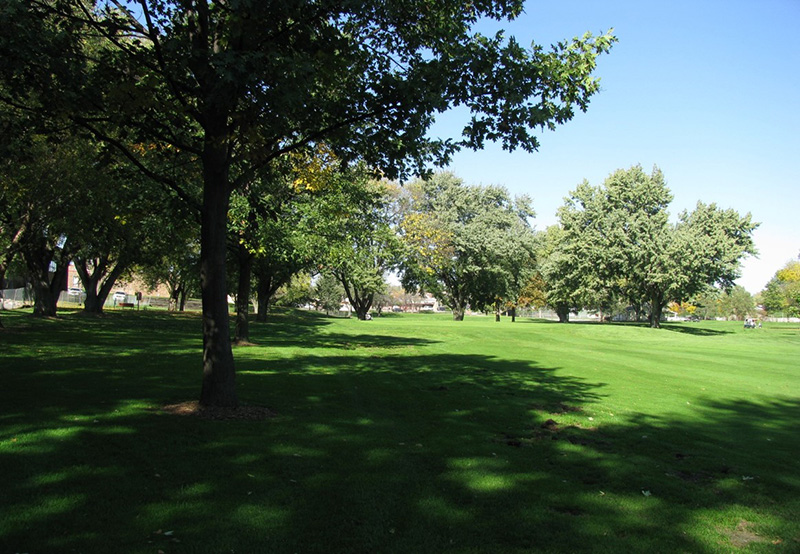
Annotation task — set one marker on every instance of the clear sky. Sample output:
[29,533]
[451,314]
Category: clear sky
[707,90]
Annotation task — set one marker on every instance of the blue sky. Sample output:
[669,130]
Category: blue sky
[707,90]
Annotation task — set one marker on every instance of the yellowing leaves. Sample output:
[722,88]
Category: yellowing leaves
[432,243]
[790,273]
[313,170]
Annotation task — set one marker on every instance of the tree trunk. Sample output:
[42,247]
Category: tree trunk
[562,312]
[184,291]
[46,287]
[3,266]
[656,307]
[497,312]
[264,293]
[91,303]
[219,373]
[362,306]
[10,251]
[360,301]
[513,314]
[46,290]
[95,299]
[458,313]
[243,294]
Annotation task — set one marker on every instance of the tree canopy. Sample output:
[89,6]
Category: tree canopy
[465,244]
[235,86]
[782,293]
[617,241]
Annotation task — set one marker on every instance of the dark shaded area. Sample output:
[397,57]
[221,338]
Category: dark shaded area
[373,450]
[694,329]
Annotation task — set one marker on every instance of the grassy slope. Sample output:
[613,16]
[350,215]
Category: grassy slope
[403,434]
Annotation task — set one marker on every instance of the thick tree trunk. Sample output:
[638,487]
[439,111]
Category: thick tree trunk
[92,303]
[264,293]
[458,313]
[362,307]
[656,307]
[563,313]
[219,374]
[184,291]
[46,286]
[44,302]
[243,295]
[361,304]
[46,289]
[96,299]
[359,300]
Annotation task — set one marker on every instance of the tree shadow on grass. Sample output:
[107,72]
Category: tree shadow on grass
[377,451]
[692,329]
[308,330]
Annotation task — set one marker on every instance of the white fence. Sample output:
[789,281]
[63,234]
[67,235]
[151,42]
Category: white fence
[12,299]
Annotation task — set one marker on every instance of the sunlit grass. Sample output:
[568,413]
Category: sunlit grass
[402,434]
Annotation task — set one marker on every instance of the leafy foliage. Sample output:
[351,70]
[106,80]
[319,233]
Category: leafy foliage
[782,293]
[357,221]
[617,241]
[238,85]
[468,245]
[328,293]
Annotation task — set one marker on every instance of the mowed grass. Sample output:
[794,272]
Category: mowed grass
[407,433]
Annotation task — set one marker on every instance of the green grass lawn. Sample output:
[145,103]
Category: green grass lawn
[403,434]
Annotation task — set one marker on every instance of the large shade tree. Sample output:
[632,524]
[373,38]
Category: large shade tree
[130,222]
[465,244]
[357,222]
[617,240]
[238,84]
[40,207]
[557,261]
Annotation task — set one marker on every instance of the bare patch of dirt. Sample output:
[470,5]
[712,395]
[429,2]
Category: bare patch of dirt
[742,535]
[550,424]
[193,408]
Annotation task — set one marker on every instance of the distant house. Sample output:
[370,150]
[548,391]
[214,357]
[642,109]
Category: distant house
[425,303]
[129,286]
